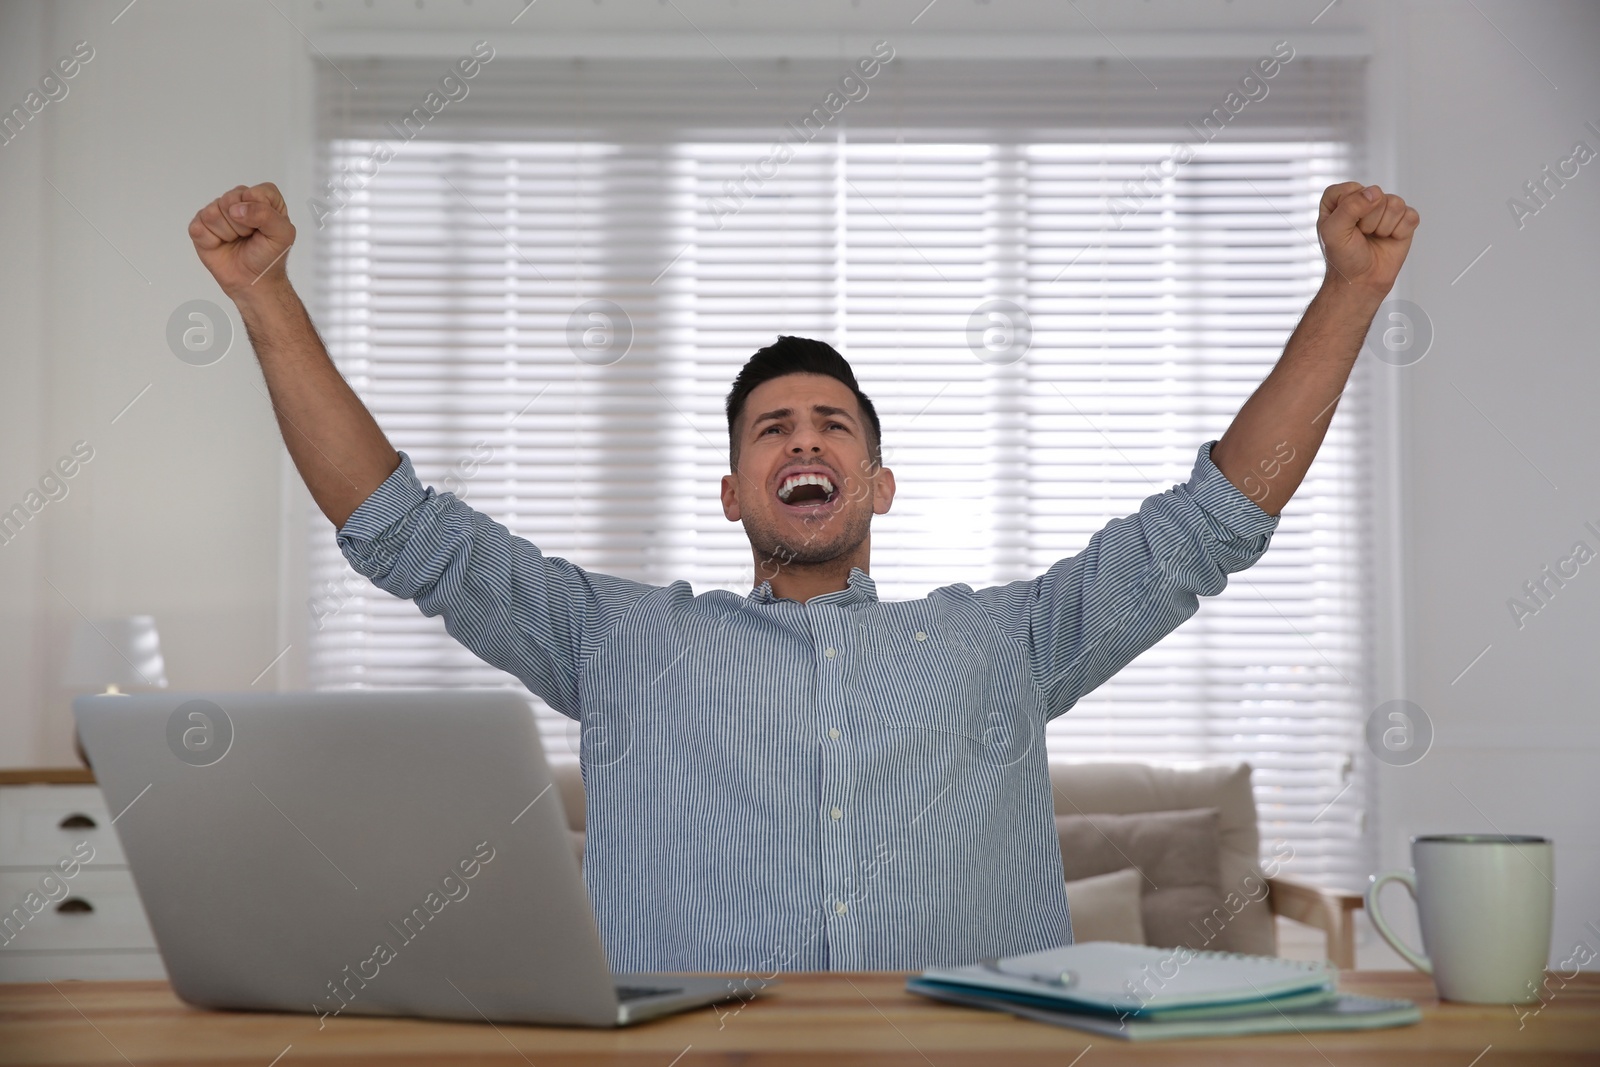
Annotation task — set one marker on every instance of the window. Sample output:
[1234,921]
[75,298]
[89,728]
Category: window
[1050,307]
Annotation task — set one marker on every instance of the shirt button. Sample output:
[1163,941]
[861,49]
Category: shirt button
[841,907]
[833,732]
[921,636]
[837,814]
[830,653]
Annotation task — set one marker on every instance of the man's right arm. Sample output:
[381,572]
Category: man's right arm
[243,238]
[538,617]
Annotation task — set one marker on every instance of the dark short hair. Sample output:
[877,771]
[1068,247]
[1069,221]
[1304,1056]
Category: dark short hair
[797,355]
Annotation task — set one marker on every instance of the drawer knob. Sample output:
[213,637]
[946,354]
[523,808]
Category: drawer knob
[74,906]
[78,821]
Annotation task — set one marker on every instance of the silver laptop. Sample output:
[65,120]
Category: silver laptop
[372,853]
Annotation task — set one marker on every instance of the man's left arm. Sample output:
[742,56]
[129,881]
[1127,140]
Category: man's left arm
[1269,446]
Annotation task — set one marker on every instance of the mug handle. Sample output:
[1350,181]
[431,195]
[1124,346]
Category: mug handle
[1420,962]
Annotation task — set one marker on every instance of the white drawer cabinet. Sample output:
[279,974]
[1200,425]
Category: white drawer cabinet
[81,966]
[100,911]
[68,906]
[40,824]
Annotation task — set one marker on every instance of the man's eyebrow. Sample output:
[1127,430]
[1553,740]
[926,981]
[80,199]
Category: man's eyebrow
[784,413]
[780,413]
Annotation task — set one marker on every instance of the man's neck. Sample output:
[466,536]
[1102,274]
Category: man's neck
[802,581]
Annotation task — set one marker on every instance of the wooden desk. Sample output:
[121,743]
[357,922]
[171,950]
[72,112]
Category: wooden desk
[838,1020]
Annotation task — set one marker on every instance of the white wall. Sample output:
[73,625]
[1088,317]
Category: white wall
[182,512]
[1518,736]
[22,366]
[177,513]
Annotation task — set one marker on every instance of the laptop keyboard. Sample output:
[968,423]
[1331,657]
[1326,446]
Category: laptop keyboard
[638,992]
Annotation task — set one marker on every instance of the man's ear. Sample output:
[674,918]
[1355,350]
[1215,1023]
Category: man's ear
[730,497]
[882,491]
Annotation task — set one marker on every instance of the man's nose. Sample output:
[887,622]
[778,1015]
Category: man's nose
[804,437]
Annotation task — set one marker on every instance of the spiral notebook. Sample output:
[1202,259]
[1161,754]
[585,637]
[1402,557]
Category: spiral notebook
[1138,992]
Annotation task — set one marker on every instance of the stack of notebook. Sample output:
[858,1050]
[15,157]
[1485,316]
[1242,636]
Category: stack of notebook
[1142,994]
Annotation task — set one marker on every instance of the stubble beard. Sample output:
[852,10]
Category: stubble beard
[829,539]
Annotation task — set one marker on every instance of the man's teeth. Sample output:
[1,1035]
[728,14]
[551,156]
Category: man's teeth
[794,481]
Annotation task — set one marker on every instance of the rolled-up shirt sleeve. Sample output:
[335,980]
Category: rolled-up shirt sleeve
[538,617]
[1136,581]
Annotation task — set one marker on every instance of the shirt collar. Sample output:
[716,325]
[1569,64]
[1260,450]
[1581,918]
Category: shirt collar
[861,589]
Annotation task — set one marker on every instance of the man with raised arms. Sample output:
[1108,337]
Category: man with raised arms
[806,777]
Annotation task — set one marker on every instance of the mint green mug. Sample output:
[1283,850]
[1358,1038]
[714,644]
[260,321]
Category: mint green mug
[1485,903]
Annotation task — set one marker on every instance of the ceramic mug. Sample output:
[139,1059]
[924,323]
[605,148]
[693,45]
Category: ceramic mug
[1484,902]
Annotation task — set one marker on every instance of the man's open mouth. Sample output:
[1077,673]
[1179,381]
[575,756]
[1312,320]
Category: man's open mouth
[808,491]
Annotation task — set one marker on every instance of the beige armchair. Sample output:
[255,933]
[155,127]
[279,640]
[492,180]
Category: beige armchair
[1132,788]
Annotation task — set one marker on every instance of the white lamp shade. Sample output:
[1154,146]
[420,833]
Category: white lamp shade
[125,652]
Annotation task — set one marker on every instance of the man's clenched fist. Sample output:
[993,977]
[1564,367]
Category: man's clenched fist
[243,238]
[1365,233]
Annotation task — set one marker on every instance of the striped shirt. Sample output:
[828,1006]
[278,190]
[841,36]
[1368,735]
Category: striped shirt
[845,783]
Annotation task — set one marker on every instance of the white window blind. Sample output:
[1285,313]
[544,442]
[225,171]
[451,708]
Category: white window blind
[1154,296]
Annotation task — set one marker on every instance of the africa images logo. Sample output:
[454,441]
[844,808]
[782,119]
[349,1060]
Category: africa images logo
[452,888]
[199,732]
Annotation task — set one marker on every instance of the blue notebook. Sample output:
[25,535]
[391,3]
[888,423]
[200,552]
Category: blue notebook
[1141,993]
